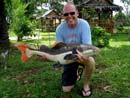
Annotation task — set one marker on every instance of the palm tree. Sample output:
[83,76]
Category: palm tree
[4,38]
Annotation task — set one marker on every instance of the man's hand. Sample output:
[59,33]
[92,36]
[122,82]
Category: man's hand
[81,59]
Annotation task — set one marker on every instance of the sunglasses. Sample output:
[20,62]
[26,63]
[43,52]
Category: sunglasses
[67,14]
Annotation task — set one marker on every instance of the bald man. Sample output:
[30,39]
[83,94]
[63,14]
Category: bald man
[75,30]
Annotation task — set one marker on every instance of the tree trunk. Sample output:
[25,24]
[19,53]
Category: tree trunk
[4,38]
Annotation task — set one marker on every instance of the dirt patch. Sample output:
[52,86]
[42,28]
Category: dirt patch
[22,78]
[101,66]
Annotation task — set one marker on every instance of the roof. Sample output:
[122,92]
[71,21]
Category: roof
[100,4]
[47,14]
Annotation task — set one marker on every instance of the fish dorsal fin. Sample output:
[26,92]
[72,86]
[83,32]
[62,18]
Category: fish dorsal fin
[58,45]
[74,51]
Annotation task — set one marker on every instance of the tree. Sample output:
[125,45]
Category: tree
[31,8]
[126,5]
[56,5]
[4,38]
[20,22]
[127,11]
[77,1]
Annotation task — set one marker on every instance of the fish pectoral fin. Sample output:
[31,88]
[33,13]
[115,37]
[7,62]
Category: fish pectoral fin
[70,57]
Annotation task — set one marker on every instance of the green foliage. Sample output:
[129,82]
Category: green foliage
[76,2]
[56,5]
[100,37]
[24,30]
[90,13]
[20,23]
[104,15]
[121,20]
[126,6]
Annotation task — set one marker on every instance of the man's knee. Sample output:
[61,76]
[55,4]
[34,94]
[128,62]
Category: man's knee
[67,88]
[91,63]
[91,60]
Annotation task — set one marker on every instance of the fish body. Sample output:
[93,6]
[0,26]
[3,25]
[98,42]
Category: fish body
[67,53]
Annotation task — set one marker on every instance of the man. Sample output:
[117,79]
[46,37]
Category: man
[75,30]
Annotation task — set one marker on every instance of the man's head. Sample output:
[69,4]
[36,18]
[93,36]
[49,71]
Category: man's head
[70,14]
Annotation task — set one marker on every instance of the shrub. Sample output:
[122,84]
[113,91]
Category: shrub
[21,25]
[100,37]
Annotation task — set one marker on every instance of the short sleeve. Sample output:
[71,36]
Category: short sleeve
[59,37]
[86,33]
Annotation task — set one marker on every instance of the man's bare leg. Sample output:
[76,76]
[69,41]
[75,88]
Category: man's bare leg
[89,68]
[67,88]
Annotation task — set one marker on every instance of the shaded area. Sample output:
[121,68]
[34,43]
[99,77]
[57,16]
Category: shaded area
[4,39]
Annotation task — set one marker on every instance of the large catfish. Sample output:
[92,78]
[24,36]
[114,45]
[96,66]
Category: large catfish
[61,53]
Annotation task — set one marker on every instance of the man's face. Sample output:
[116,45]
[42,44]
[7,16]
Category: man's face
[70,15]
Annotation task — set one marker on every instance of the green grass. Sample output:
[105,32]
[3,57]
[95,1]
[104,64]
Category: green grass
[113,68]
[36,79]
[47,38]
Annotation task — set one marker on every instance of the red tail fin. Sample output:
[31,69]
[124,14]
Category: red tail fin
[22,49]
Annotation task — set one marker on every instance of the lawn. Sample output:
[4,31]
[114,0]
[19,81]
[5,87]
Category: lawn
[35,79]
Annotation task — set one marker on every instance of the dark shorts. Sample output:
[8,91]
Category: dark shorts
[69,75]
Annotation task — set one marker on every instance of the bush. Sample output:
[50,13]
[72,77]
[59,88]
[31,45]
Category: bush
[21,25]
[119,28]
[100,37]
